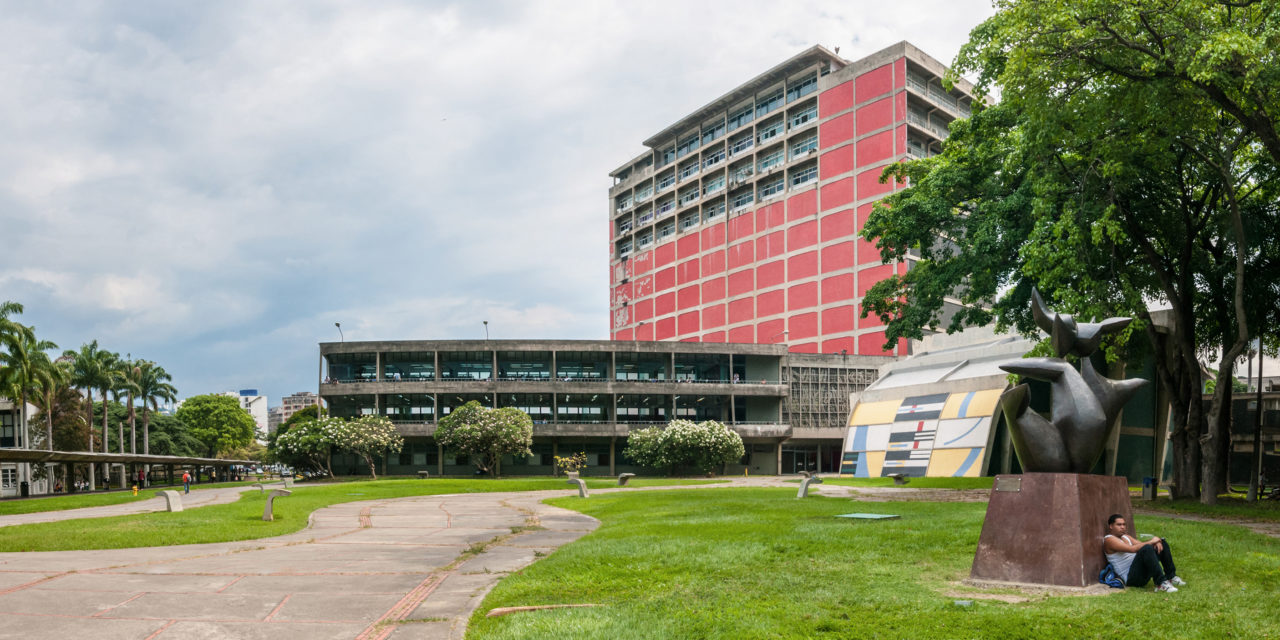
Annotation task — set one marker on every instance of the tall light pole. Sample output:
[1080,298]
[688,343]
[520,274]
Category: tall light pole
[486,329]
[341,338]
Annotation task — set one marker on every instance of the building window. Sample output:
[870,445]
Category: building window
[689,221]
[712,132]
[666,180]
[741,143]
[713,157]
[643,193]
[743,200]
[802,88]
[741,117]
[623,227]
[804,175]
[9,478]
[687,146]
[624,249]
[804,116]
[772,187]
[667,156]
[689,168]
[713,211]
[666,206]
[712,185]
[770,160]
[770,130]
[804,146]
[645,239]
[688,195]
[769,104]
[666,230]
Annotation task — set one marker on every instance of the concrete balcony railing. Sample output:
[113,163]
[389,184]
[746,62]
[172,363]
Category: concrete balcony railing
[605,429]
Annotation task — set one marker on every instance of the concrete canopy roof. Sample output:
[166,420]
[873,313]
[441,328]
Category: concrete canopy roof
[40,456]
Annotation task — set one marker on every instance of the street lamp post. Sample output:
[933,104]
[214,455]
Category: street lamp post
[341,338]
[486,330]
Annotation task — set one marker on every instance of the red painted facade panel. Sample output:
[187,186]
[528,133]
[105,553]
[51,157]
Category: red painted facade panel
[741,254]
[873,83]
[837,256]
[837,225]
[837,288]
[801,205]
[771,331]
[838,319]
[713,262]
[621,293]
[835,99]
[770,303]
[803,265]
[901,106]
[666,329]
[864,212]
[664,279]
[771,274]
[867,252]
[877,115]
[687,298]
[868,277]
[664,254]
[741,282]
[645,332]
[689,339]
[770,216]
[839,345]
[713,290]
[687,322]
[872,344]
[802,296]
[741,310]
[802,326]
[713,235]
[835,162]
[664,304]
[869,184]
[687,246]
[642,310]
[900,73]
[713,316]
[687,271]
[806,347]
[835,131]
[872,320]
[643,287]
[838,193]
[740,227]
[643,263]
[774,244]
[624,335]
[874,150]
[714,336]
[802,235]
[742,334]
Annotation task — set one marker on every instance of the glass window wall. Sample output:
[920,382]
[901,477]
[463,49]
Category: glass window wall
[352,367]
[643,408]
[409,365]
[537,405]
[351,406]
[698,408]
[582,365]
[524,365]
[409,407]
[702,367]
[643,367]
[582,407]
[466,365]
[451,401]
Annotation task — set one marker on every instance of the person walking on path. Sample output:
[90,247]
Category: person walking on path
[186,482]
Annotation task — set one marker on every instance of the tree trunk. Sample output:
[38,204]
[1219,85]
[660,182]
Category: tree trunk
[372,471]
[48,420]
[1216,440]
[133,434]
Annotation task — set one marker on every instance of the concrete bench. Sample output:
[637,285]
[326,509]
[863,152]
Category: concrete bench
[424,474]
[288,482]
[623,478]
[172,500]
[899,478]
[261,489]
[582,486]
[267,514]
[804,485]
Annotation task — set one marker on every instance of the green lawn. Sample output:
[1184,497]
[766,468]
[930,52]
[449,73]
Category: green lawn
[915,483]
[96,499]
[1231,506]
[242,520]
[757,563]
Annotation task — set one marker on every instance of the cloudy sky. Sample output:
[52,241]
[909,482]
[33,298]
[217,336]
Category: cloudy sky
[212,185]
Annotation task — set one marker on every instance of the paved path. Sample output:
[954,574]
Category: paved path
[198,498]
[403,568]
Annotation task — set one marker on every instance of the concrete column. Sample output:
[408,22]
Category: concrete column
[820,458]
[123,480]
[778,451]
[439,459]
[377,366]
[554,371]
[613,468]
[555,451]
[435,365]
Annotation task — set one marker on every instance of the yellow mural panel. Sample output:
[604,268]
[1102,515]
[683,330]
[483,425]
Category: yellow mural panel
[971,404]
[957,463]
[875,412]
[874,462]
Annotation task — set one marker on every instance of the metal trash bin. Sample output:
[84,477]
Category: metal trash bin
[24,489]
[1148,488]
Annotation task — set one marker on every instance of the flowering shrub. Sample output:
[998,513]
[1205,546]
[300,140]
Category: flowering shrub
[486,434]
[707,445]
[572,463]
[310,445]
[368,436]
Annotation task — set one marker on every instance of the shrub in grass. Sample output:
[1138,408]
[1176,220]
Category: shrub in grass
[707,445]
[486,434]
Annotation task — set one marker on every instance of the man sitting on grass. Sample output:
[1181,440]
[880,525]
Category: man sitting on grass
[1139,562]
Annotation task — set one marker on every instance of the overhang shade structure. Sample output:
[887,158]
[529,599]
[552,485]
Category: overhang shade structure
[932,414]
[37,456]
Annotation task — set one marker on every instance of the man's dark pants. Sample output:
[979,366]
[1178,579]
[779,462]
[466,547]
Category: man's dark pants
[1149,564]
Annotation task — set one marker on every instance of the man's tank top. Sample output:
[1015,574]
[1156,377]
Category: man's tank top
[1121,561]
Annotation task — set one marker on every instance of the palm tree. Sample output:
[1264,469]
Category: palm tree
[51,376]
[126,386]
[88,371]
[17,370]
[153,386]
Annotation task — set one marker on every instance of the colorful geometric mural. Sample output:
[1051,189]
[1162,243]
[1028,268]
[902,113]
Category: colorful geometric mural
[938,434]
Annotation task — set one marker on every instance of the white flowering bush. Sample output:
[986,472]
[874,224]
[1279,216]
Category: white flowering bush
[310,445]
[367,437]
[486,434]
[707,445]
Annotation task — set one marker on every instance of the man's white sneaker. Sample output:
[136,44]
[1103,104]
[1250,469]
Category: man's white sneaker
[1167,587]
[1177,582]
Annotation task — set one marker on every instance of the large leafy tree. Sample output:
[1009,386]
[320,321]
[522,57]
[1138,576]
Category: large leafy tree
[1106,195]
[217,422]
[368,437]
[153,387]
[486,434]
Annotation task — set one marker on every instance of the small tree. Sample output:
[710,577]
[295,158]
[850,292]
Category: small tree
[309,444]
[486,434]
[707,445]
[217,422]
[368,436]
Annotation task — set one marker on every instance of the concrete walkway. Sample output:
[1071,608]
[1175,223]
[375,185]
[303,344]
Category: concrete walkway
[197,498]
[403,568]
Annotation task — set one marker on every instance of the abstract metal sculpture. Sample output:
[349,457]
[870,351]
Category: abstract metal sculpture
[1085,403]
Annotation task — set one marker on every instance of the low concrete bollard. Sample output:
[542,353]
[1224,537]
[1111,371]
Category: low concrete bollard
[804,485]
[424,474]
[261,489]
[288,482]
[173,500]
[582,486]
[899,478]
[267,514]
[623,478]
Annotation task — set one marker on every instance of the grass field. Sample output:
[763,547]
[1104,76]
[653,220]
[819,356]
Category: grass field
[915,483]
[96,499]
[242,520]
[757,563]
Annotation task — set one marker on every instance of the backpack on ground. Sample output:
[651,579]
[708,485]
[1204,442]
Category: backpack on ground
[1109,577]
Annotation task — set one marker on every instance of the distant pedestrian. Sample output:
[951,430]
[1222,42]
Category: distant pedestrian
[186,482]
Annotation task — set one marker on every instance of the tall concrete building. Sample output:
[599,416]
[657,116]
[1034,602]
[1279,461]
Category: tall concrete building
[289,405]
[739,222]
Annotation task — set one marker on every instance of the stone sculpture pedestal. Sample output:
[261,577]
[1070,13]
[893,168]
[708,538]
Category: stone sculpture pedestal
[1047,528]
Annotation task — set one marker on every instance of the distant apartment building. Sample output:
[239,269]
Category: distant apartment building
[289,405]
[740,221]
[253,403]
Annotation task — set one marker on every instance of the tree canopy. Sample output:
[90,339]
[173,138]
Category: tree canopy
[217,422]
[486,434]
[708,445]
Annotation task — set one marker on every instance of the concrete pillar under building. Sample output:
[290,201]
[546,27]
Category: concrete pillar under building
[439,459]
[778,451]
[555,452]
[613,470]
